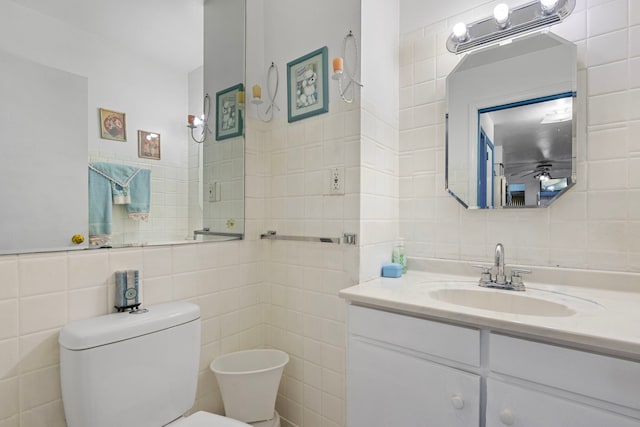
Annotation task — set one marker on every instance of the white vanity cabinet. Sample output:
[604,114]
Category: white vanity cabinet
[408,371]
[534,384]
[523,406]
[401,371]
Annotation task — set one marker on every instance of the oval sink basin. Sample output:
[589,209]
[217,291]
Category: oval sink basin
[502,301]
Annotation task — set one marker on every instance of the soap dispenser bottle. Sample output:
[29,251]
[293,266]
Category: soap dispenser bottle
[398,256]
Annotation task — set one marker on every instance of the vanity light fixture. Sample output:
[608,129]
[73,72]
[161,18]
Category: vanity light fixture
[196,122]
[505,24]
[342,72]
[461,32]
[256,91]
[548,6]
[501,15]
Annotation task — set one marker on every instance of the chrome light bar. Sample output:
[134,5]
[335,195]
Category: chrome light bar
[522,19]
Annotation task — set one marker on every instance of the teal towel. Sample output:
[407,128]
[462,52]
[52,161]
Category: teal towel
[140,192]
[120,177]
[99,209]
[110,183]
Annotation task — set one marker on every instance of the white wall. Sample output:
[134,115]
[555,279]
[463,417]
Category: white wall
[42,292]
[416,14]
[304,30]
[305,316]
[379,207]
[596,224]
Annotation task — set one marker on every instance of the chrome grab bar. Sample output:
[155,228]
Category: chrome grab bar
[347,239]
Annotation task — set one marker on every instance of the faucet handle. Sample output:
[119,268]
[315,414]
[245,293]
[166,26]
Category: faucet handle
[516,279]
[485,275]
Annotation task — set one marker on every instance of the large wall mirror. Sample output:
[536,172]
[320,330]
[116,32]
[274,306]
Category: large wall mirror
[511,124]
[65,61]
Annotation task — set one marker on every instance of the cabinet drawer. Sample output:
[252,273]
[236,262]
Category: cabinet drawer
[508,404]
[386,388]
[602,377]
[455,343]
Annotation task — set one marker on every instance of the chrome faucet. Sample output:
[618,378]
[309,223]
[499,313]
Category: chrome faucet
[501,279]
[494,276]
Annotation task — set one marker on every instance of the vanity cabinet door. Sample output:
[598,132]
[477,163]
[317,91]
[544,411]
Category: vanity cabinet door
[511,405]
[388,387]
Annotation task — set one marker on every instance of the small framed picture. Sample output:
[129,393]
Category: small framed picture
[148,145]
[307,88]
[229,103]
[113,125]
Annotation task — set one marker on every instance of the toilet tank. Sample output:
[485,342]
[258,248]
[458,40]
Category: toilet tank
[126,369]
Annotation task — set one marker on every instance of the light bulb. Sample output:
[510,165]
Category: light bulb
[501,15]
[460,31]
[548,6]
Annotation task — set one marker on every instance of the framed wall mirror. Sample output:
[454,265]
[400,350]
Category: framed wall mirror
[143,59]
[511,124]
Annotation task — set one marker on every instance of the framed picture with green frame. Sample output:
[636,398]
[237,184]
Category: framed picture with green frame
[307,87]
[229,103]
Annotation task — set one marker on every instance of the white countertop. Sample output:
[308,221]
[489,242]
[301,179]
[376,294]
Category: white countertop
[607,318]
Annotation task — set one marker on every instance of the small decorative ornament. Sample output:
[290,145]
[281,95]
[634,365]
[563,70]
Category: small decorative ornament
[77,239]
[231,223]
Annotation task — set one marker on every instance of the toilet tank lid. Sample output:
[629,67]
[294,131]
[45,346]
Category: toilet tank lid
[96,331]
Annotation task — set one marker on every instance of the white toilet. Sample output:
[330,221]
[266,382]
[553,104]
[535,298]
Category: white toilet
[139,370]
[248,382]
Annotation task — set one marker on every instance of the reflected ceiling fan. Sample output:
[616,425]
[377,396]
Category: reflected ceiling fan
[542,172]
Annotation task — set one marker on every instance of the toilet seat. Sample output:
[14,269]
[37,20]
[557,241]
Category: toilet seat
[206,419]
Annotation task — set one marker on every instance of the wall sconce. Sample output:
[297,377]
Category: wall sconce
[240,102]
[507,23]
[200,122]
[256,91]
[342,72]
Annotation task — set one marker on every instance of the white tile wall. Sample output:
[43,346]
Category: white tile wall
[305,316]
[224,165]
[42,292]
[594,226]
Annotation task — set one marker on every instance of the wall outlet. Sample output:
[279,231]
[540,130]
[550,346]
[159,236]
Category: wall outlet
[336,180]
[214,192]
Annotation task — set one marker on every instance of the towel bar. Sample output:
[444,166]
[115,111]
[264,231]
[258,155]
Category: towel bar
[347,239]
[207,232]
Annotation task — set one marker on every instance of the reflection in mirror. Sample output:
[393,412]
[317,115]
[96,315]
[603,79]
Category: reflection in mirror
[511,124]
[142,58]
[528,147]
[223,151]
